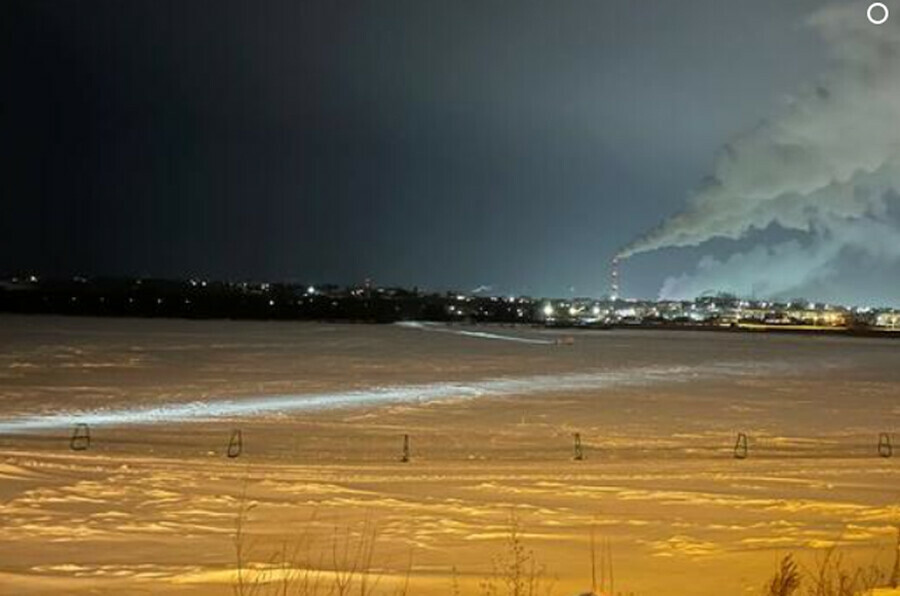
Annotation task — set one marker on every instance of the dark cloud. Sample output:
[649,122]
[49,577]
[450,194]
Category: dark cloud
[513,144]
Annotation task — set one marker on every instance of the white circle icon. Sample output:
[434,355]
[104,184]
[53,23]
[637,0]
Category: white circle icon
[878,13]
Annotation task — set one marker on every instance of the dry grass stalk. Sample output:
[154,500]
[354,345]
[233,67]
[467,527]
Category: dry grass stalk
[516,572]
[289,572]
[832,575]
[786,581]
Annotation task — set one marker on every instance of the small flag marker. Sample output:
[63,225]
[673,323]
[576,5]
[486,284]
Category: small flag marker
[81,437]
[740,447]
[235,444]
[404,458]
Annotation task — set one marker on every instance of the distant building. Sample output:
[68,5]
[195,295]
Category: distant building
[888,320]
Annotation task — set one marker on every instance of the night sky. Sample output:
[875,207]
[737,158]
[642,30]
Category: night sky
[451,144]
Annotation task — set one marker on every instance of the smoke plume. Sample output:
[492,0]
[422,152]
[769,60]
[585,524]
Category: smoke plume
[777,270]
[824,166]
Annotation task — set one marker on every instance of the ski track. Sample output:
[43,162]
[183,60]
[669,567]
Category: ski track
[479,334]
[380,396]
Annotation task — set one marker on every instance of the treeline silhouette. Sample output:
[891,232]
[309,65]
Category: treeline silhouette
[196,299]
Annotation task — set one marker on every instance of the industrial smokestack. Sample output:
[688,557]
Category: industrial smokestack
[614,279]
